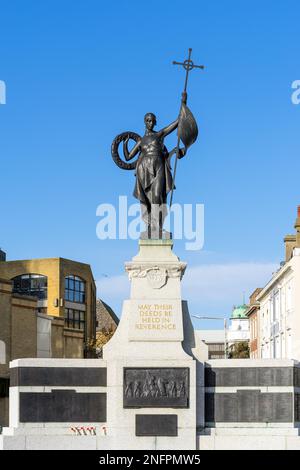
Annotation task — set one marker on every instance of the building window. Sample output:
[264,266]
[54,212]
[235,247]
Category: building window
[277,351]
[216,350]
[31,284]
[289,345]
[289,304]
[75,289]
[74,319]
[4,387]
[216,346]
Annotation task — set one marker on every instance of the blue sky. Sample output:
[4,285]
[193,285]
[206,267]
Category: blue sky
[78,73]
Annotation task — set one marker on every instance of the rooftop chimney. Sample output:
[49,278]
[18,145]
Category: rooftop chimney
[297,227]
[290,243]
[293,241]
[2,255]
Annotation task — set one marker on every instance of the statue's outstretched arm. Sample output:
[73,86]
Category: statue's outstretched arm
[171,127]
[130,155]
[168,129]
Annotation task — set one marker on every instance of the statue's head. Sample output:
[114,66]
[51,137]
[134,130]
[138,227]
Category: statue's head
[150,121]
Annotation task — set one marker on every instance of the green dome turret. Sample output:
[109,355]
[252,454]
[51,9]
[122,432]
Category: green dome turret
[239,311]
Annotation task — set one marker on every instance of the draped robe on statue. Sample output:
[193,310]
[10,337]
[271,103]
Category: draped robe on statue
[153,174]
[153,180]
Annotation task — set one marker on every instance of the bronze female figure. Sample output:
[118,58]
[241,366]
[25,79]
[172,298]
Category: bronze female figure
[153,173]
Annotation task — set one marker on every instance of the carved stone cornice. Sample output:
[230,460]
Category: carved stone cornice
[157,275]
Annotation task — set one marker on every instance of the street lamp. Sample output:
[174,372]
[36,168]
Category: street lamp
[224,319]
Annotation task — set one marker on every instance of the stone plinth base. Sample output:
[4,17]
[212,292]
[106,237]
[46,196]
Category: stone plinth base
[152,371]
[251,438]
[142,395]
[55,438]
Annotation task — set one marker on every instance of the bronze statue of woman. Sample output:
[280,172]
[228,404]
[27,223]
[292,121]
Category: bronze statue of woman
[153,173]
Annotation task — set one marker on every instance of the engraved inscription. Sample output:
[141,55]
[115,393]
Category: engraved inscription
[163,387]
[155,317]
[297,407]
[156,425]
[250,406]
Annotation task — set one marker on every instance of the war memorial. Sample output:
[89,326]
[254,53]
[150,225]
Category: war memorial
[154,389]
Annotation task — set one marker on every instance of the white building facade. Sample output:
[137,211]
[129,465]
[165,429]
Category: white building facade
[280,312]
[238,330]
[215,341]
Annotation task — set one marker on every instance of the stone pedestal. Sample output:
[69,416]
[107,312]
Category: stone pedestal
[148,391]
[151,372]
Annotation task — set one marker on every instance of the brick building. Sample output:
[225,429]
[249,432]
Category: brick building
[253,315]
[106,318]
[47,309]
